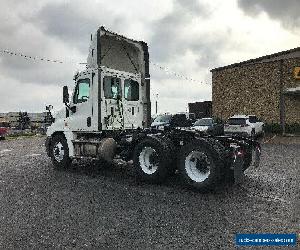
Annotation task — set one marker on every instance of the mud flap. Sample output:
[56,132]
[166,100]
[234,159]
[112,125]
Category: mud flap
[256,156]
[238,167]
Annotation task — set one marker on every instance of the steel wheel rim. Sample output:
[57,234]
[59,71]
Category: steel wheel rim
[58,152]
[147,165]
[197,166]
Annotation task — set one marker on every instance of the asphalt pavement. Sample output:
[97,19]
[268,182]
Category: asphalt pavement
[100,207]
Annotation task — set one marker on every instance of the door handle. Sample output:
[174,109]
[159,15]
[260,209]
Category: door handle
[73,109]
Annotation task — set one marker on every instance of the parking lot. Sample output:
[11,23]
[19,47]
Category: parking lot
[89,206]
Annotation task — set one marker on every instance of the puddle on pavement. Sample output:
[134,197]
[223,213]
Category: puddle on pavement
[5,150]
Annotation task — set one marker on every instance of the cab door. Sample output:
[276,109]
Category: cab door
[81,118]
[132,105]
[112,108]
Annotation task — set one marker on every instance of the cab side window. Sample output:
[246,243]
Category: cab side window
[131,90]
[82,91]
[112,87]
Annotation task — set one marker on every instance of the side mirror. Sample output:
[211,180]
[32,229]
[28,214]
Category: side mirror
[65,94]
[49,107]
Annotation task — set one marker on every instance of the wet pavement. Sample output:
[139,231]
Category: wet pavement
[94,207]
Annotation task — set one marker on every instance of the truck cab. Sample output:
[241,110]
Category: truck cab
[111,94]
[116,97]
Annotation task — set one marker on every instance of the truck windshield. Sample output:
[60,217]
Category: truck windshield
[237,121]
[163,118]
[82,91]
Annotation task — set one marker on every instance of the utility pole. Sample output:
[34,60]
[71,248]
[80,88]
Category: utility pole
[156,104]
[282,99]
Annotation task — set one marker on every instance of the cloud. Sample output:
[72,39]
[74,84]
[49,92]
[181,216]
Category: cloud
[66,22]
[16,96]
[187,36]
[287,11]
[72,21]
[169,32]
[175,94]
[19,34]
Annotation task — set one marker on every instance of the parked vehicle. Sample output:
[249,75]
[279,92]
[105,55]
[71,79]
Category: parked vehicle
[4,129]
[176,120]
[189,116]
[244,125]
[161,120]
[109,116]
[209,125]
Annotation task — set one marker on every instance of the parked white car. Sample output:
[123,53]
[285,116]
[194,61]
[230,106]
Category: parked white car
[210,125]
[244,125]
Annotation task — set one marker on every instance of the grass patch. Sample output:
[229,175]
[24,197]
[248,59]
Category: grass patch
[20,135]
[275,128]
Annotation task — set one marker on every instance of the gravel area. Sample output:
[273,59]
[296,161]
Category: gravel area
[89,206]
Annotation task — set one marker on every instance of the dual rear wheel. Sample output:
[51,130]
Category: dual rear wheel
[198,163]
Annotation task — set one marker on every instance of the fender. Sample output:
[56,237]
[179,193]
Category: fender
[58,127]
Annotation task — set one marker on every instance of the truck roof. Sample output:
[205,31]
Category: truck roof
[118,52]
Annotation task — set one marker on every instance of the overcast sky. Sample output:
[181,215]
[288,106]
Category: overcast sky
[190,37]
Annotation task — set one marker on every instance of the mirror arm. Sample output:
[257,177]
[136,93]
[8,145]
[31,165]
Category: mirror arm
[70,108]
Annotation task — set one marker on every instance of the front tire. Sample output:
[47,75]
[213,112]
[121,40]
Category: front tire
[59,152]
[200,166]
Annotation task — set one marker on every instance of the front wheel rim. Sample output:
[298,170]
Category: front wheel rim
[148,160]
[197,166]
[58,152]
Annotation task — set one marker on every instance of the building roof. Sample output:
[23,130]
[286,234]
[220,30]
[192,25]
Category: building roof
[259,59]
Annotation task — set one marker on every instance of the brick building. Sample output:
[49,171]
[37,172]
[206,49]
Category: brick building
[268,87]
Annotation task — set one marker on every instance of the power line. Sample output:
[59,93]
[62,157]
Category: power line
[43,59]
[36,58]
[168,71]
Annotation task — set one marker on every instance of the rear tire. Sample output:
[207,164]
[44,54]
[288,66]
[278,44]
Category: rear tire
[200,165]
[152,159]
[59,152]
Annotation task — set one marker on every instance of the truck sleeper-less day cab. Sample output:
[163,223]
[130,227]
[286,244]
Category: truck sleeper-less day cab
[108,116]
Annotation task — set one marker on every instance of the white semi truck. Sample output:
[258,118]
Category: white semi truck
[109,116]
